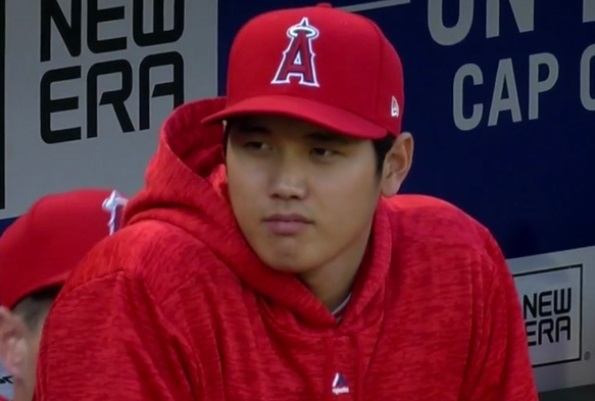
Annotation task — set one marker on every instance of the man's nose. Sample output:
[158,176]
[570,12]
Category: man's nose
[289,180]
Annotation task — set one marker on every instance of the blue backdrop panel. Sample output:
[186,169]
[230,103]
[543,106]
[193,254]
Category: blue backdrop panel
[528,174]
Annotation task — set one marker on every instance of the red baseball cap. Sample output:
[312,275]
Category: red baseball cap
[42,247]
[320,64]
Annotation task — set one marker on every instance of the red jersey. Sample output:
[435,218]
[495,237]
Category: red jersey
[176,306]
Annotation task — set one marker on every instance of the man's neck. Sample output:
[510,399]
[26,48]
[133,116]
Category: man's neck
[332,283]
[21,393]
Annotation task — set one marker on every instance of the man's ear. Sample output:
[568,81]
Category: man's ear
[397,164]
[13,342]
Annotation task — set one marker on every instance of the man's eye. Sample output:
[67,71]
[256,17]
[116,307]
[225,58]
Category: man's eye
[322,152]
[254,145]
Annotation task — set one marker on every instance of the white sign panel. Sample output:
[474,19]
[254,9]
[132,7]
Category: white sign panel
[87,85]
[558,304]
[551,303]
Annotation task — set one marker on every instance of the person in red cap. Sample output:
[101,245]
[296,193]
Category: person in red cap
[37,253]
[268,258]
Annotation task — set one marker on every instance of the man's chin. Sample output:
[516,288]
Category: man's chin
[287,263]
[287,267]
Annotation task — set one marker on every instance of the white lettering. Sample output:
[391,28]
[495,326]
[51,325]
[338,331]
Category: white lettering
[374,5]
[537,86]
[341,390]
[588,11]
[466,123]
[523,11]
[587,98]
[448,36]
[505,80]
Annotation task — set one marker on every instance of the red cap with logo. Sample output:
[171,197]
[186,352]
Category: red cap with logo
[320,64]
[41,248]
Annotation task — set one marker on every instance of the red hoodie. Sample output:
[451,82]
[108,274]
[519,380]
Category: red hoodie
[176,306]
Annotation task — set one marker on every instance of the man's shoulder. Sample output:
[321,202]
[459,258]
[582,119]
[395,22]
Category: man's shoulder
[429,219]
[154,252]
[434,238]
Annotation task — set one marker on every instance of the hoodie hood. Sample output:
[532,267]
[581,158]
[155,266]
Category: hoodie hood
[186,186]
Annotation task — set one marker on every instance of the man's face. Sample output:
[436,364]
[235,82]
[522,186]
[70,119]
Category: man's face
[303,196]
[19,348]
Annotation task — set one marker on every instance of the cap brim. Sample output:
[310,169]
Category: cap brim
[329,117]
[54,281]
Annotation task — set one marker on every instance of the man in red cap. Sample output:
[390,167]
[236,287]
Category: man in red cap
[37,253]
[267,258]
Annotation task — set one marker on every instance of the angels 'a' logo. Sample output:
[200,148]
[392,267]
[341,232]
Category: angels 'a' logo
[298,57]
[114,205]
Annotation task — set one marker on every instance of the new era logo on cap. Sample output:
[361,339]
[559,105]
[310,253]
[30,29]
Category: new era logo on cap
[394,108]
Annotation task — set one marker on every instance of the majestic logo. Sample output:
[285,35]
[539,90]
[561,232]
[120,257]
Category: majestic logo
[298,57]
[340,385]
[114,205]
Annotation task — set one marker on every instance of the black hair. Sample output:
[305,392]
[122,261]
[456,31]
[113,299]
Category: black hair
[381,147]
[33,308]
